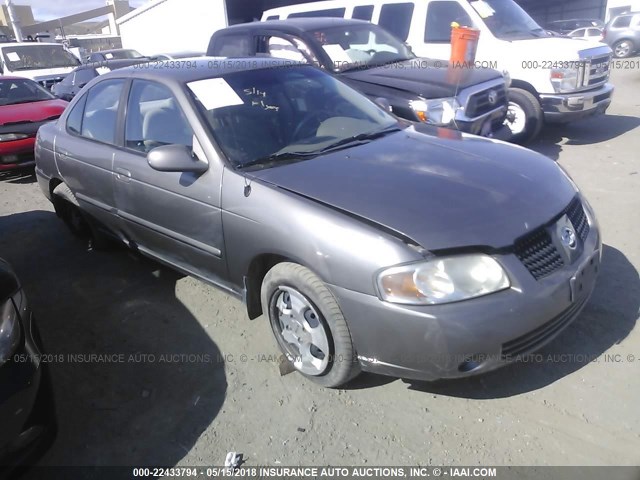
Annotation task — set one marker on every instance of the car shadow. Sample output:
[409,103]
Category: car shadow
[136,378]
[607,320]
[589,131]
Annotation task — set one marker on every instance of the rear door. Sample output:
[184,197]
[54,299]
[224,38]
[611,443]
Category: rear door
[85,154]
[173,216]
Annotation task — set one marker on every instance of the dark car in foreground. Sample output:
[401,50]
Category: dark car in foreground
[622,33]
[376,63]
[27,421]
[368,242]
[79,77]
[24,107]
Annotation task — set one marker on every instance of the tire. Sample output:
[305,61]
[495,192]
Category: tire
[525,117]
[326,354]
[623,48]
[68,209]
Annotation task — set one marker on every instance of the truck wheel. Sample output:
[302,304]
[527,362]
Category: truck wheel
[623,48]
[308,325]
[524,116]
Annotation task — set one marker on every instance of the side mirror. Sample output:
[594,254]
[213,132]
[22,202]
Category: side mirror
[175,158]
[384,103]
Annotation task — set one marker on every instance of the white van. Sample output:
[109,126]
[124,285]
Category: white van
[553,79]
[46,63]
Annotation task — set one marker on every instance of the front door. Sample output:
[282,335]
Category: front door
[173,216]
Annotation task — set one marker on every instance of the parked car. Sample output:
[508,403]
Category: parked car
[567,26]
[115,54]
[46,63]
[548,81]
[368,242]
[26,400]
[78,78]
[622,33]
[379,65]
[24,107]
[592,34]
[175,56]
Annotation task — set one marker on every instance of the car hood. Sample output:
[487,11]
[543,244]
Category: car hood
[8,281]
[442,193]
[425,77]
[31,112]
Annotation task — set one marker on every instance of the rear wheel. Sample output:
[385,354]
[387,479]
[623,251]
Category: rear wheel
[308,325]
[524,116]
[623,48]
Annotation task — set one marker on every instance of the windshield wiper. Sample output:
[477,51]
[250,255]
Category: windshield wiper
[277,158]
[361,138]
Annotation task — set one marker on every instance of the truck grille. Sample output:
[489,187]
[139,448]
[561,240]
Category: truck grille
[480,103]
[594,72]
[536,250]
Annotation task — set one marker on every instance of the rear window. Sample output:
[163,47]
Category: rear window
[622,22]
[331,12]
[396,18]
[363,12]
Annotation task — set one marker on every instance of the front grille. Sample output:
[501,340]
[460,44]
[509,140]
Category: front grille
[536,338]
[594,72]
[538,254]
[479,103]
[575,212]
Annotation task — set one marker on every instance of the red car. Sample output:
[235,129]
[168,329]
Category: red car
[24,107]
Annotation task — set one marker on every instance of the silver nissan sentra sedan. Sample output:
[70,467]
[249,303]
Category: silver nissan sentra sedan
[368,243]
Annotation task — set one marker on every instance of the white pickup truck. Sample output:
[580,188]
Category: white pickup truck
[553,79]
[46,63]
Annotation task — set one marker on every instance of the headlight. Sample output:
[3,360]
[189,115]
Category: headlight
[9,330]
[564,79]
[8,137]
[442,280]
[441,111]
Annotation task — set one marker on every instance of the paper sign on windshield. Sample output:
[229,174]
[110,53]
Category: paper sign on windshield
[483,8]
[108,56]
[215,93]
[13,57]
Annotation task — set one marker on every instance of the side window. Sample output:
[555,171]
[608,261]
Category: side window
[101,111]
[363,12]
[231,46]
[578,33]
[84,76]
[331,12]
[273,17]
[440,16]
[154,118]
[282,48]
[622,22]
[593,32]
[396,18]
[74,119]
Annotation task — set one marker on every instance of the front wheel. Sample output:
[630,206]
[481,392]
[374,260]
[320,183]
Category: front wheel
[524,116]
[308,325]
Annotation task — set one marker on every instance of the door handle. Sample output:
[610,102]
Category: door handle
[122,174]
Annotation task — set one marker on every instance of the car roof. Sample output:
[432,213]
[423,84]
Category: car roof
[298,24]
[200,69]
[15,44]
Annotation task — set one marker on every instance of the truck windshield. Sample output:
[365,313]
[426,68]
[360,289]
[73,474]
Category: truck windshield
[507,20]
[360,46]
[37,57]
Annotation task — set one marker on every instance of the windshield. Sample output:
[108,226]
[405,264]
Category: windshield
[361,46]
[275,115]
[22,90]
[37,57]
[507,20]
